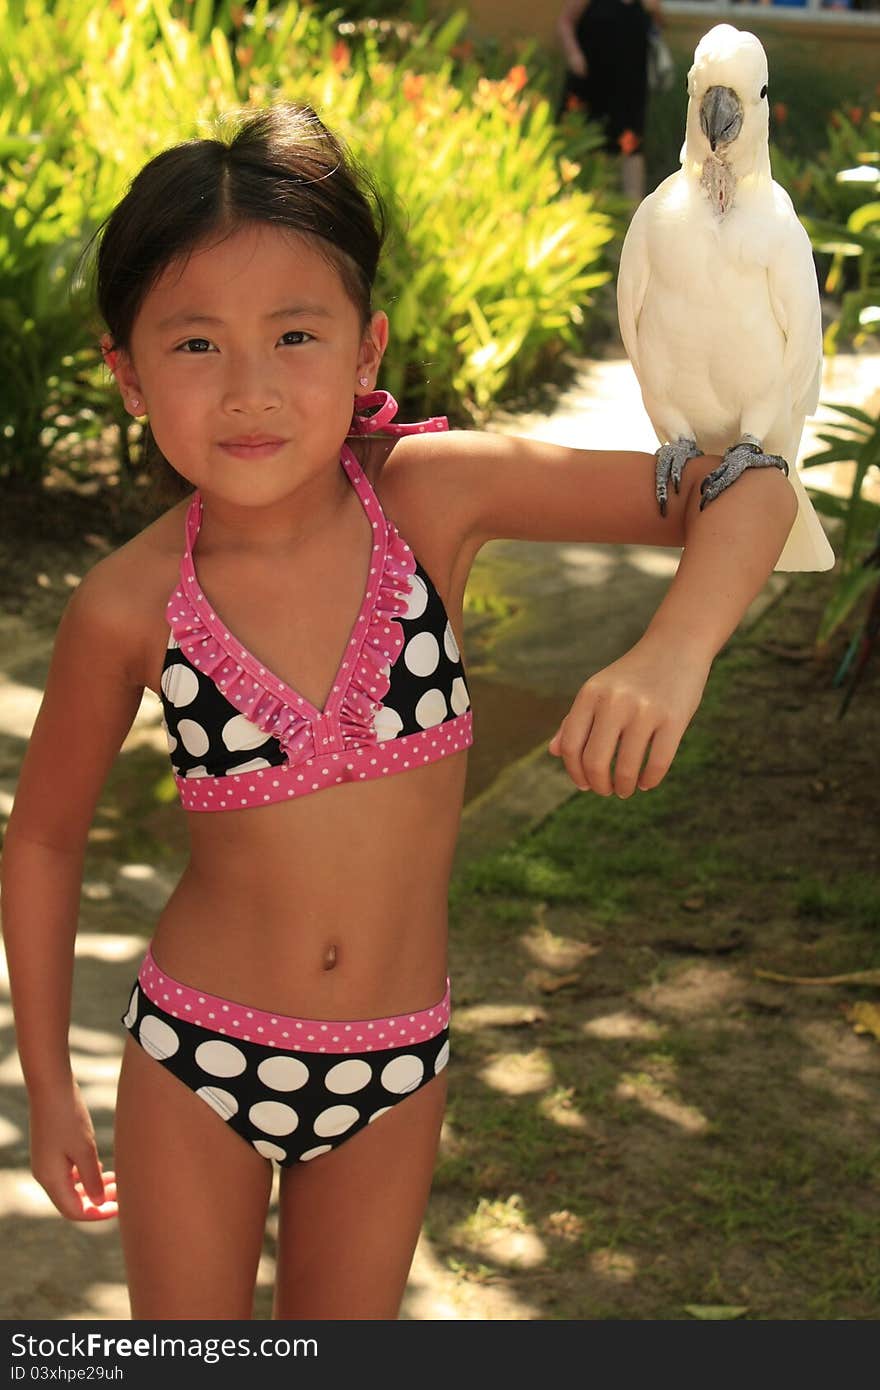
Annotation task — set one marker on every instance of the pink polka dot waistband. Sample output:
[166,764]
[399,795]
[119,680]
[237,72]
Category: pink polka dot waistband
[236,1020]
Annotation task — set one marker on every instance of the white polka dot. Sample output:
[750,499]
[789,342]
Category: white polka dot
[348,1076]
[422,654]
[449,643]
[431,709]
[273,1117]
[239,732]
[442,1057]
[200,771]
[458,696]
[169,738]
[131,1011]
[417,600]
[314,1153]
[377,1113]
[267,1150]
[403,1074]
[193,737]
[158,1038]
[180,685]
[336,1120]
[387,723]
[222,1101]
[283,1073]
[254,765]
[220,1058]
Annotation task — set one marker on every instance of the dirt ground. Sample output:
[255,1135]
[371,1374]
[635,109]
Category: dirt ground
[664,1130]
[641,1125]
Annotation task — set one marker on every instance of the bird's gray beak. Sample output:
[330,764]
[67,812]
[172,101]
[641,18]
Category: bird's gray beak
[721,116]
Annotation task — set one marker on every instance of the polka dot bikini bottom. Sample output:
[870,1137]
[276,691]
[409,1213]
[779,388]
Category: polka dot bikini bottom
[292,1101]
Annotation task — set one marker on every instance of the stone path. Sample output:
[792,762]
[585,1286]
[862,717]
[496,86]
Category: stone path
[604,594]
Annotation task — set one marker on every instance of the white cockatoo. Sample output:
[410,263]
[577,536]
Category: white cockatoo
[717,296]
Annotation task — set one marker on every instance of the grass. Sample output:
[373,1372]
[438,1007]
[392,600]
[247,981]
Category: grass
[693,1134]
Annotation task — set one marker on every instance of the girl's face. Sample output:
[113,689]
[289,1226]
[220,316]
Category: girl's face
[247,357]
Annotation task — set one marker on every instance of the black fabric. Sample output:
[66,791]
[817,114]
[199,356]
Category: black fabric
[211,710]
[613,36]
[233,1097]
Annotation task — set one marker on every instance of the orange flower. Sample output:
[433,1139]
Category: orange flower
[517,77]
[855,114]
[574,103]
[780,112]
[413,86]
[341,56]
[629,142]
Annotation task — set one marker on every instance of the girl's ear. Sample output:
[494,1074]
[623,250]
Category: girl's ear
[125,376]
[373,345]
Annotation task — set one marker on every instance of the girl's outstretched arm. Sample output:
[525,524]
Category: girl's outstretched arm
[636,710]
[90,701]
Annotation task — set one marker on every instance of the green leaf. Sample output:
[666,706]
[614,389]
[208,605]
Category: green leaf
[854,413]
[863,217]
[849,590]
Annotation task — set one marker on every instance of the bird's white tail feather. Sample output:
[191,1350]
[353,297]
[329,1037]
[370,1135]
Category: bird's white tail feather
[807,546]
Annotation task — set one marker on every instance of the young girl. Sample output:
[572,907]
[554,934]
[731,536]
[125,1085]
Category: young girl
[299,614]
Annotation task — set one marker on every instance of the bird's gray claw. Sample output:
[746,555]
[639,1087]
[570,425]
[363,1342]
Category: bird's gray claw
[670,462]
[746,454]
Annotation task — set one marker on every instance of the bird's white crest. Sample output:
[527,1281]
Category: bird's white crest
[724,44]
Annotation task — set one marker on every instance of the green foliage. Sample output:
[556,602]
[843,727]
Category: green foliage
[498,231]
[855,439]
[837,196]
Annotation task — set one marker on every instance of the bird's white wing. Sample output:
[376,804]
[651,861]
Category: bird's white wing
[633,276]
[794,299]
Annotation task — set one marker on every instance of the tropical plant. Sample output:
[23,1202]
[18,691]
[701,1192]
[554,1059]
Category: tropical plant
[837,195]
[499,231]
[855,440]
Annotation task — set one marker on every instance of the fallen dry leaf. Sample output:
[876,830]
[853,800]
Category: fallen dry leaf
[550,984]
[714,1312]
[855,977]
[865,1018]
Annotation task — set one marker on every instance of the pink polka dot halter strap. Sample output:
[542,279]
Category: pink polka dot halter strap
[383,414]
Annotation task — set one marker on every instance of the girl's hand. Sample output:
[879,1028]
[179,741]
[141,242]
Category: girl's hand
[64,1156]
[639,706]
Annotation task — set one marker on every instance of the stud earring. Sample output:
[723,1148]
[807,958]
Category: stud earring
[135,405]
[363,380]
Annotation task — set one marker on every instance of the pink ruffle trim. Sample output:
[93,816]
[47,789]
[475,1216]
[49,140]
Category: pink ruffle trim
[364,675]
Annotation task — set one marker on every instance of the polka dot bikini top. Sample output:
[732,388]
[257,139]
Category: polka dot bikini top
[239,736]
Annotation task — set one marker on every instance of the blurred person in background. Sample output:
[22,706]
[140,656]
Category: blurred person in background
[606,45]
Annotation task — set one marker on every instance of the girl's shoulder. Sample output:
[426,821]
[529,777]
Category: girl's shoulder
[121,600]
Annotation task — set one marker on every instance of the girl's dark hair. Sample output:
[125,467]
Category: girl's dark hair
[280,166]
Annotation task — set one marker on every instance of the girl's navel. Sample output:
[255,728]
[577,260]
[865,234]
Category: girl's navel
[330,957]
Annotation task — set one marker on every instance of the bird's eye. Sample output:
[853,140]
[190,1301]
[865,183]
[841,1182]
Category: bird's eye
[764,90]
